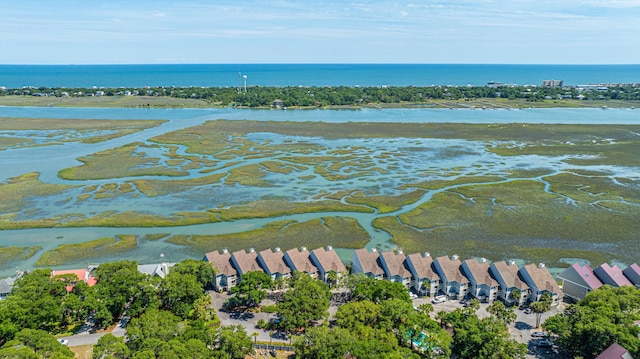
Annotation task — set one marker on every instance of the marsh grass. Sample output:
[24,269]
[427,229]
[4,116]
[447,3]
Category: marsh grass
[587,214]
[343,232]
[6,142]
[386,204]
[66,253]
[249,175]
[125,161]
[279,167]
[547,134]
[91,131]
[137,219]
[13,123]
[152,188]
[528,173]
[17,190]
[13,253]
[438,184]
[283,207]
[155,236]
[516,219]
[592,189]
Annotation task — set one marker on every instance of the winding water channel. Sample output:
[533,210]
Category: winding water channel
[418,159]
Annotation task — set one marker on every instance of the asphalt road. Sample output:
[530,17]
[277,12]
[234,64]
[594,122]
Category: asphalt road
[520,330]
[84,337]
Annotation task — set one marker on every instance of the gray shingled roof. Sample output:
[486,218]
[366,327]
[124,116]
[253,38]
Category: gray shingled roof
[301,261]
[221,263]
[369,261]
[274,260]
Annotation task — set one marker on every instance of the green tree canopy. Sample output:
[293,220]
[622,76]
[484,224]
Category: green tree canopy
[203,271]
[481,338]
[235,342]
[378,290]
[502,313]
[153,324]
[178,292]
[305,302]
[605,316]
[118,284]
[110,347]
[250,291]
[35,303]
[34,343]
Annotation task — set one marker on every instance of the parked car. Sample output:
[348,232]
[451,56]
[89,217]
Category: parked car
[439,299]
[539,335]
[527,311]
[543,343]
[63,341]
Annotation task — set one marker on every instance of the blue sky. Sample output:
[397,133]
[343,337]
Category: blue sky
[309,31]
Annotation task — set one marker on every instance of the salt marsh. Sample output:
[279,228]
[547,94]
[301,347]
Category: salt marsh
[541,192]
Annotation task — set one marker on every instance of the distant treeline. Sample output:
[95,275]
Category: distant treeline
[339,96]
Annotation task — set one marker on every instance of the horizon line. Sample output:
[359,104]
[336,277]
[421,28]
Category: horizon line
[324,63]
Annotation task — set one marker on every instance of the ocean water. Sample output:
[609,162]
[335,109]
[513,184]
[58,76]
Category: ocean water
[227,75]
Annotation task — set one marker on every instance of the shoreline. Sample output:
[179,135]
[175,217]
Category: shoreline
[171,102]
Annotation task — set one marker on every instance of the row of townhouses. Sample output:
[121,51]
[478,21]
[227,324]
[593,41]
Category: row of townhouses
[317,263]
[455,279]
[578,280]
[420,273]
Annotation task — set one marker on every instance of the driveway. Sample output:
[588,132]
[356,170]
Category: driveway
[520,330]
[247,320]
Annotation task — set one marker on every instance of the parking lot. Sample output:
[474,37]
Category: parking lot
[521,330]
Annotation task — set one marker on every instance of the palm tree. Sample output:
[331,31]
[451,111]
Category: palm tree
[516,294]
[332,277]
[255,337]
[440,317]
[541,306]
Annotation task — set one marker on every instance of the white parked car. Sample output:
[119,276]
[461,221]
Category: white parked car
[63,341]
[439,299]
